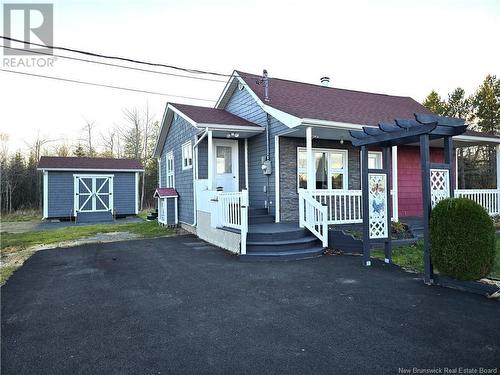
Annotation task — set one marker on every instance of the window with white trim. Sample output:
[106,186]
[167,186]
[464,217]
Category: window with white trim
[170,170]
[375,159]
[187,155]
[330,166]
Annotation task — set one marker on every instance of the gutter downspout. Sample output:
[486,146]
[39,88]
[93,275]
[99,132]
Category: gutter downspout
[195,174]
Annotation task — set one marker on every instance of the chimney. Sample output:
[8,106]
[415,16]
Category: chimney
[325,81]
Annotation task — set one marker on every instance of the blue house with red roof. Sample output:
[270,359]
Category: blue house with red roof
[266,170]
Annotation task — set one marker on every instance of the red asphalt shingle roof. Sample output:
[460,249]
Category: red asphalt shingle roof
[207,115]
[57,162]
[306,100]
[165,192]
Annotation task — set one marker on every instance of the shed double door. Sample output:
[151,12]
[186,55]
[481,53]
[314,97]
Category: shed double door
[93,193]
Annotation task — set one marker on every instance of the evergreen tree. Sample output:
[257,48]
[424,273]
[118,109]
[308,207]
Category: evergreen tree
[458,105]
[487,105]
[434,103]
[79,151]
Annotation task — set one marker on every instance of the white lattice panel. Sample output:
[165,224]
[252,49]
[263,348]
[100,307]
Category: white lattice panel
[377,199]
[440,185]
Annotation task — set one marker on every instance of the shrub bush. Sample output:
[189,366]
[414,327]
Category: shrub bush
[462,239]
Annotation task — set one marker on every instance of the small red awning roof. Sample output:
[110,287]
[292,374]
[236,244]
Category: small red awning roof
[165,193]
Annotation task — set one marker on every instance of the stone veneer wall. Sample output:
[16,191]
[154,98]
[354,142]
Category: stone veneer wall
[289,196]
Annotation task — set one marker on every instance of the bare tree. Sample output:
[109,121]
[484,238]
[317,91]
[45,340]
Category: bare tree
[131,134]
[36,146]
[148,121]
[62,149]
[88,133]
[109,141]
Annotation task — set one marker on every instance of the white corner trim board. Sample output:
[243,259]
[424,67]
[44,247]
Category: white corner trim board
[45,194]
[136,193]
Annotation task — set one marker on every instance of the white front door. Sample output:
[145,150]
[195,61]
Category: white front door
[226,164]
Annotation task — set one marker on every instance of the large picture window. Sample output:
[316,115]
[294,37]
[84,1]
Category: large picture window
[170,170]
[330,167]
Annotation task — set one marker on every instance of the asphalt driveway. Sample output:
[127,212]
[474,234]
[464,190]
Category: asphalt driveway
[178,305]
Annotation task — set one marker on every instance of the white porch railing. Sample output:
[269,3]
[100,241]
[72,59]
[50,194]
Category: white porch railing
[488,198]
[232,212]
[343,206]
[313,215]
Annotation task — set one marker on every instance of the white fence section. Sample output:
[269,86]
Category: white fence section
[343,206]
[232,212]
[488,198]
[313,215]
[440,185]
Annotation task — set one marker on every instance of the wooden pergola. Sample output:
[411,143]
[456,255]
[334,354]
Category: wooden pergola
[437,178]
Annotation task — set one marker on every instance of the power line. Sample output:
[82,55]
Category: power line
[117,65]
[107,86]
[194,71]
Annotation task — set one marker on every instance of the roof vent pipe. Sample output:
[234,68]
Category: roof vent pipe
[325,81]
[265,79]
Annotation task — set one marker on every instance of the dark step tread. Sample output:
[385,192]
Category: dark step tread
[274,228]
[283,242]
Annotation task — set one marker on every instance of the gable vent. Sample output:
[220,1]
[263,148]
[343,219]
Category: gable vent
[325,81]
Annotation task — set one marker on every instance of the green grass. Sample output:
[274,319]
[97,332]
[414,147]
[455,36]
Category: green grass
[412,257]
[143,229]
[409,257]
[21,215]
[6,272]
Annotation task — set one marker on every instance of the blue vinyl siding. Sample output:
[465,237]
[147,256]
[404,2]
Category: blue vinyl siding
[61,192]
[203,159]
[243,105]
[180,132]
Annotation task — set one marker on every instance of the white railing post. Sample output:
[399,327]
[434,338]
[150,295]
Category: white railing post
[244,220]
[324,220]
[301,208]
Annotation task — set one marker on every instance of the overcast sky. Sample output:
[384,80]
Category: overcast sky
[393,47]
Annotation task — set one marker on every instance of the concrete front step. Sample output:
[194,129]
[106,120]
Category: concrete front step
[282,255]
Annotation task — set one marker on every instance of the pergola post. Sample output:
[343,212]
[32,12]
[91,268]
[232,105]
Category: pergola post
[311,176]
[426,202]
[388,243]
[448,159]
[365,204]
